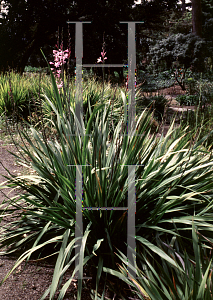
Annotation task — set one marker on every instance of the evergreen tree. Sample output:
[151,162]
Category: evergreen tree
[179,51]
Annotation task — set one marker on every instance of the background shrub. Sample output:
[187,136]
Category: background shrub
[156,104]
[188,100]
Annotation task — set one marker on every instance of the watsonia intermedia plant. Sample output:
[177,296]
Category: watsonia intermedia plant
[173,187]
[193,281]
[15,92]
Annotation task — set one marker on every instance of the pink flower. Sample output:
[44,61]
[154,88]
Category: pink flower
[60,85]
[102,57]
[58,64]
[60,57]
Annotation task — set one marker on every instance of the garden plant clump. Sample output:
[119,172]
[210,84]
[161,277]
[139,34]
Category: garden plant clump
[173,199]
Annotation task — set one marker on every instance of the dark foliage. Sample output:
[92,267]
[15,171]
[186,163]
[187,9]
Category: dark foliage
[187,50]
[30,26]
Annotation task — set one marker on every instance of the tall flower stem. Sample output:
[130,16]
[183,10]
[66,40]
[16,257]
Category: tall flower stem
[102,59]
[103,70]
[60,57]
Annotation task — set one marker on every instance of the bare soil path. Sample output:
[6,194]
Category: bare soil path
[25,283]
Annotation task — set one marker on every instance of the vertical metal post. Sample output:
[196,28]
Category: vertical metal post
[79,219]
[79,116]
[131,244]
[79,56]
[131,78]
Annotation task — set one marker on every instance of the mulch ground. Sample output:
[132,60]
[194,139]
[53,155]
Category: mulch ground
[25,283]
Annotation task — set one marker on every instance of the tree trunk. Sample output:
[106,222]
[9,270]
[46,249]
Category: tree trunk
[197,17]
[28,51]
[183,7]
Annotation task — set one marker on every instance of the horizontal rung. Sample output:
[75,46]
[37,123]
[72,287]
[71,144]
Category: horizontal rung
[79,165]
[104,208]
[77,134]
[83,278]
[104,65]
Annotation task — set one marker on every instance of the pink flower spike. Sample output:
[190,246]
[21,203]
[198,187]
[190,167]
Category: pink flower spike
[60,85]
[57,56]
[57,64]
[105,57]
